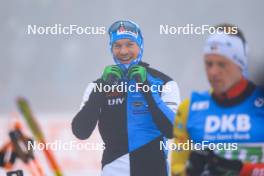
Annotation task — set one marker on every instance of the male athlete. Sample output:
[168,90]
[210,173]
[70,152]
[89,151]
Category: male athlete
[132,122]
[231,113]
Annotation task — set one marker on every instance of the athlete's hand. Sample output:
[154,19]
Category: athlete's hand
[206,161]
[221,166]
[112,74]
[138,73]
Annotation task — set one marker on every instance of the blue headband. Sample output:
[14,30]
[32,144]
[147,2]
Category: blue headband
[126,30]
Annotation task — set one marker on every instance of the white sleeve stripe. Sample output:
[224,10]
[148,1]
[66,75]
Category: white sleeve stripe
[171,96]
[87,93]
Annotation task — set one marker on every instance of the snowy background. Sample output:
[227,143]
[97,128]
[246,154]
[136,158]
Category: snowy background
[52,71]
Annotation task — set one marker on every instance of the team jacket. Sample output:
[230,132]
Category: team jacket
[204,118]
[132,125]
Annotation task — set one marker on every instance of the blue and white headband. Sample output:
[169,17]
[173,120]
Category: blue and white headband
[126,29]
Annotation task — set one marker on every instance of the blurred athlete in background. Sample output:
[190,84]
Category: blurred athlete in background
[231,113]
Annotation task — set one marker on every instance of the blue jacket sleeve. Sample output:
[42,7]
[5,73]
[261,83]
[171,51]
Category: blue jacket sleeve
[163,115]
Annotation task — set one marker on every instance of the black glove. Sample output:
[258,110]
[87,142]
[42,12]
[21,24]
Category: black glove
[206,162]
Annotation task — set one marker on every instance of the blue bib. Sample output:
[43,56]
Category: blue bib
[240,123]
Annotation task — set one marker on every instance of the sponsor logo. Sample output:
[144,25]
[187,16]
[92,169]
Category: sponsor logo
[259,102]
[202,105]
[123,30]
[228,123]
[115,101]
[137,104]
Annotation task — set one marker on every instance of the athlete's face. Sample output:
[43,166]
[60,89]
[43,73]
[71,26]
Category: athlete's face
[125,50]
[221,73]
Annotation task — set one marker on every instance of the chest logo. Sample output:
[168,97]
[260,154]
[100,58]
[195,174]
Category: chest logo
[115,101]
[202,105]
[228,123]
[259,102]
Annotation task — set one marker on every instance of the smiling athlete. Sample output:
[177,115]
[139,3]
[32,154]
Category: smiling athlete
[132,124]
